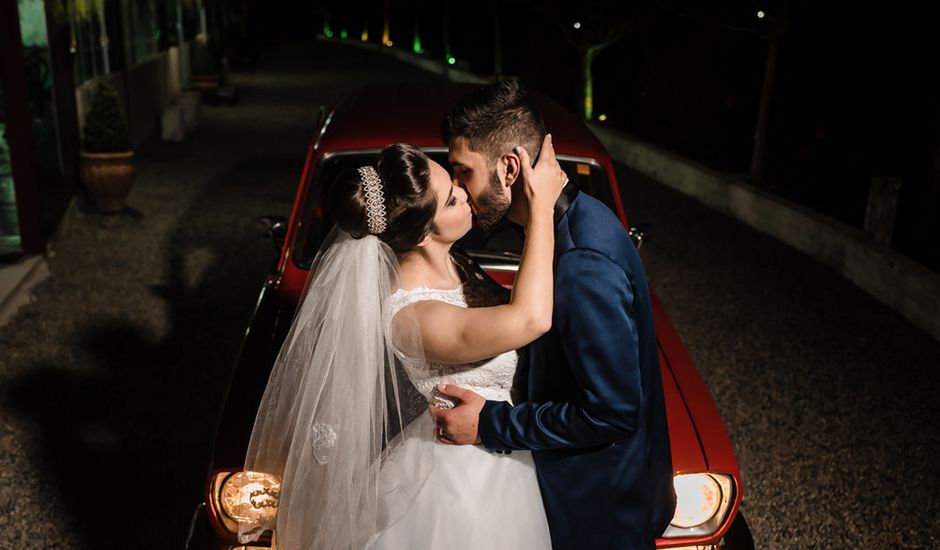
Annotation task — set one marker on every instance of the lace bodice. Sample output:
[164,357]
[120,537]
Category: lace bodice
[491,378]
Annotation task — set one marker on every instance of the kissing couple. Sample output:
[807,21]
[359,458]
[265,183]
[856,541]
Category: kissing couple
[417,404]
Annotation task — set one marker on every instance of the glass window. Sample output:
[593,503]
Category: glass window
[590,177]
[39,81]
[9,220]
[316,222]
[33,23]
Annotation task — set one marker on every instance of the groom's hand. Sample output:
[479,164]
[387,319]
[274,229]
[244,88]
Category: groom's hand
[458,426]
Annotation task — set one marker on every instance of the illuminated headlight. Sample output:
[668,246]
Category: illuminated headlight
[702,503]
[245,498]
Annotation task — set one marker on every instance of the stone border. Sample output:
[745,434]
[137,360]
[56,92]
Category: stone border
[897,281]
[17,282]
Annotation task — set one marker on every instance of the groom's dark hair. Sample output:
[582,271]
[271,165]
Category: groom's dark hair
[494,119]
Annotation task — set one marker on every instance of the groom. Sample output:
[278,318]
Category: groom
[594,415]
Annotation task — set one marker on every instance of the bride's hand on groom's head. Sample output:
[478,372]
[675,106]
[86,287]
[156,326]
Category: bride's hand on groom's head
[458,426]
[544,181]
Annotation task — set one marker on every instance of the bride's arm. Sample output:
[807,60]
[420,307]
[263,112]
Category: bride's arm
[453,334]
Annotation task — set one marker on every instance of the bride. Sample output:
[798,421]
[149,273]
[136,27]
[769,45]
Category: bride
[345,428]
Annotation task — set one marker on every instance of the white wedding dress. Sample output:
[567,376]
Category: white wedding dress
[473,499]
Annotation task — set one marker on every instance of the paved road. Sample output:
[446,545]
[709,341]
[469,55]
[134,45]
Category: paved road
[829,397]
[109,381]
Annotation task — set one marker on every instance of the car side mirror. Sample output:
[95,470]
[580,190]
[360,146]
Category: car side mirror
[274,227]
[638,233]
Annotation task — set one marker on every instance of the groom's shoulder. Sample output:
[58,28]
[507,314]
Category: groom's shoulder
[592,225]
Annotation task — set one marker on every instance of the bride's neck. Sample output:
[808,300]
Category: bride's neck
[428,266]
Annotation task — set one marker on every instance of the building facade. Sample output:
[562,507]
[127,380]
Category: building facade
[52,56]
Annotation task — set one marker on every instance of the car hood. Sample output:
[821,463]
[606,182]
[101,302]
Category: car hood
[696,432]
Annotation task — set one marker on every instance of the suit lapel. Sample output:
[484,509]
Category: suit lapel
[568,194]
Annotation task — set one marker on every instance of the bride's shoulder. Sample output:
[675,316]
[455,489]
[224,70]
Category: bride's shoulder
[425,297]
[417,281]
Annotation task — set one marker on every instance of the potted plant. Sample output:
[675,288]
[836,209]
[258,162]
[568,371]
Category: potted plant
[106,168]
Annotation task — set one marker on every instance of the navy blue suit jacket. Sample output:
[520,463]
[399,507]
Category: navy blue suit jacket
[595,415]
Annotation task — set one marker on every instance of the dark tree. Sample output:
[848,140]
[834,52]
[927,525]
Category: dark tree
[767,20]
[588,27]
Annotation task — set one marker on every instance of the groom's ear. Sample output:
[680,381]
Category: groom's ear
[512,166]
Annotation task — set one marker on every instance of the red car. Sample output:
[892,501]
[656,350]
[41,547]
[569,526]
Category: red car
[708,483]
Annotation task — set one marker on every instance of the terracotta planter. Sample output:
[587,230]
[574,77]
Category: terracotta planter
[107,178]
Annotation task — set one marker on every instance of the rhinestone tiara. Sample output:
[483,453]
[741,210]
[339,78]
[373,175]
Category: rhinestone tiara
[375,200]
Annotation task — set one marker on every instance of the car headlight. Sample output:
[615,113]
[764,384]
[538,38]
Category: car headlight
[702,504]
[245,498]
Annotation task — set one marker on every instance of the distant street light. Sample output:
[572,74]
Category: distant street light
[416,43]
[761,14]
[602,118]
[577,25]
[386,33]
[450,58]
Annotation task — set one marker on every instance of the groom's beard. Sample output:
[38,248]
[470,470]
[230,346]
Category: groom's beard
[493,204]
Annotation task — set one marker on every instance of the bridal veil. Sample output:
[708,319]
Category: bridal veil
[336,405]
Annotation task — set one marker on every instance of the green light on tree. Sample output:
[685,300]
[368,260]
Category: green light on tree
[33,23]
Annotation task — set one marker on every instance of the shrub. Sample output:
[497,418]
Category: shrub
[105,129]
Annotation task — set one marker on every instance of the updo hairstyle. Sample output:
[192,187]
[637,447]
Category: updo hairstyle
[410,202]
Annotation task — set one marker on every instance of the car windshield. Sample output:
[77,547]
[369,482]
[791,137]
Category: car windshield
[503,243]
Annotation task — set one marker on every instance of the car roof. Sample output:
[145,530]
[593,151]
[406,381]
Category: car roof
[375,116]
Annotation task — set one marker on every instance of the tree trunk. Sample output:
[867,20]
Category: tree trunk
[759,155]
